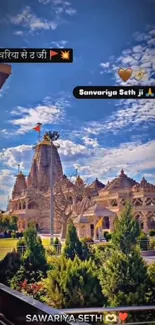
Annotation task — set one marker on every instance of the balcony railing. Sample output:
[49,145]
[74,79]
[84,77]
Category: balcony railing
[14,307]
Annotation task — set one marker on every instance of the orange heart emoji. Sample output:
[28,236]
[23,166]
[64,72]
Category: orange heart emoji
[123,316]
[125,74]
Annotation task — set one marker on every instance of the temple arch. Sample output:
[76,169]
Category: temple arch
[137,202]
[139,218]
[32,205]
[114,203]
[24,205]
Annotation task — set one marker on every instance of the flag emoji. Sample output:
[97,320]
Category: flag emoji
[37,127]
[99,223]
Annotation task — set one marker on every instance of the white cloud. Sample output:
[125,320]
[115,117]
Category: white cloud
[134,157]
[139,57]
[59,44]
[18,32]
[6,183]
[25,118]
[90,142]
[105,65]
[70,11]
[131,113]
[13,156]
[29,20]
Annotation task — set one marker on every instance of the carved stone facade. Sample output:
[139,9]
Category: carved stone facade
[141,195]
[31,197]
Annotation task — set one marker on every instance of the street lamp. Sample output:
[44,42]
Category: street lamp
[5,71]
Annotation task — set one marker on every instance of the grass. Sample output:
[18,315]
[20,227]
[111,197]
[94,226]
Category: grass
[8,244]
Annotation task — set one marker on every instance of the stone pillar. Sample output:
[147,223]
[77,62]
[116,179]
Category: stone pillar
[26,202]
[111,219]
[145,222]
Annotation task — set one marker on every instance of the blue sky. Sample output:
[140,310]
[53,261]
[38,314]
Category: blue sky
[100,137]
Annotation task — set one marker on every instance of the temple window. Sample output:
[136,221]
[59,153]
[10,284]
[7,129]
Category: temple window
[32,205]
[92,230]
[152,222]
[20,206]
[137,202]
[122,202]
[24,205]
[138,217]
[150,202]
[70,200]
[114,203]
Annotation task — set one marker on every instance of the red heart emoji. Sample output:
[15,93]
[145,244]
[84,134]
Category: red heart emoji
[123,316]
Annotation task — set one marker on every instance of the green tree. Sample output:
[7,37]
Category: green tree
[9,266]
[124,278]
[34,264]
[13,223]
[73,246]
[72,284]
[8,222]
[151,273]
[34,257]
[127,231]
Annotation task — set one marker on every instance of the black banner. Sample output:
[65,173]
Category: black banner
[17,55]
[108,92]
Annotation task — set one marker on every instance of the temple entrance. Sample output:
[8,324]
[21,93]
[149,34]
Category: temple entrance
[92,231]
[106,223]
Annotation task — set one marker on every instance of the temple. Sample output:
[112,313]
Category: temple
[31,197]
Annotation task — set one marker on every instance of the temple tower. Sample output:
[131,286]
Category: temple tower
[20,186]
[39,176]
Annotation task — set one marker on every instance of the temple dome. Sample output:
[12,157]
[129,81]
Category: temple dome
[44,142]
[20,185]
[97,185]
[144,185]
[121,182]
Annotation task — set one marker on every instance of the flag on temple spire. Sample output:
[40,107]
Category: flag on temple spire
[38,127]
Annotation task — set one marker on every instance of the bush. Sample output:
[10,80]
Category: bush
[23,274]
[152,232]
[21,246]
[143,241]
[9,266]
[51,250]
[13,235]
[152,244]
[107,235]
[73,284]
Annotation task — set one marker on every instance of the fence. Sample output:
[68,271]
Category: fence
[144,245]
[22,305]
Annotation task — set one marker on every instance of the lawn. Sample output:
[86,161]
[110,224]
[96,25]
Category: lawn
[8,244]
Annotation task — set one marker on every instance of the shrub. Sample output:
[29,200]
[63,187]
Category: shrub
[152,244]
[13,235]
[143,241]
[51,250]
[9,266]
[73,284]
[107,235]
[22,274]
[21,246]
[152,232]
